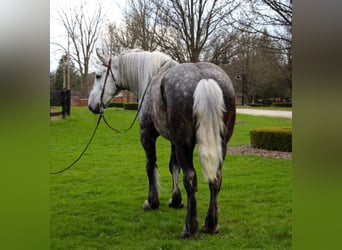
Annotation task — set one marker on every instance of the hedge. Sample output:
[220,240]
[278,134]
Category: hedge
[255,104]
[272,138]
[116,105]
[282,104]
[131,106]
[127,105]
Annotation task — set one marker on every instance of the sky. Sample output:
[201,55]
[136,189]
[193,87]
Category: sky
[112,8]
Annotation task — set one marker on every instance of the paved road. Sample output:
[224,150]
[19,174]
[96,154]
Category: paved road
[261,112]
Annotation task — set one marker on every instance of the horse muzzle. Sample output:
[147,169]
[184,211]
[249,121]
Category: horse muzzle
[98,109]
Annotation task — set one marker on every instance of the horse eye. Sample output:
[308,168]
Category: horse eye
[98,77]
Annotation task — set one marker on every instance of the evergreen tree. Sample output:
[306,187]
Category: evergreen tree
[61,75]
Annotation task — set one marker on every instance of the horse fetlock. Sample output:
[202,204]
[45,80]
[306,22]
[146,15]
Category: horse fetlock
[176,203]
[176,200]
[211,229]
[187,234]
[150,205]
[191,226]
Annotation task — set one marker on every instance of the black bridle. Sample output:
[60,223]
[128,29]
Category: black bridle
[102,105]
[109,70]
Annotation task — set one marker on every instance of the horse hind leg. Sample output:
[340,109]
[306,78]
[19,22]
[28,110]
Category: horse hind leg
[176,198]
[184,156]
[211,225]
[211,221]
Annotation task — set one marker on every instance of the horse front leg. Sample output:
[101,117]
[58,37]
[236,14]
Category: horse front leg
[176,198]
[148,140]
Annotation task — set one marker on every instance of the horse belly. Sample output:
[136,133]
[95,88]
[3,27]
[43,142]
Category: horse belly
[159,116]
[160,121]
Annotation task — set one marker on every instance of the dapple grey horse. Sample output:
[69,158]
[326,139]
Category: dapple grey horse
[188,104]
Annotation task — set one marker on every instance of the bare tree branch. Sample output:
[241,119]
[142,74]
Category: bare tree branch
[194,22]
[83,29]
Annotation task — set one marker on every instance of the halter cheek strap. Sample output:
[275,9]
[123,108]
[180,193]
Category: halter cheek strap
[109,69]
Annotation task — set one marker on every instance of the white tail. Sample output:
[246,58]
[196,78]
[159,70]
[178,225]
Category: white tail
[208,110]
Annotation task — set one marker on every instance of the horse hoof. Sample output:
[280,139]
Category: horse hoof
[175,205]
[208,230]
[148,206]
[187,235]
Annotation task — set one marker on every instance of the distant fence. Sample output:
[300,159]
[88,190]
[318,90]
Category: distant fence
[62,98]
[79,102]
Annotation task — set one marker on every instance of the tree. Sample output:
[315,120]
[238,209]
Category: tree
[83,29]
[141,23]
[190,26]
[256,71]
[60,75]
[115,39]
[273,18]
[266,69]
[187,30]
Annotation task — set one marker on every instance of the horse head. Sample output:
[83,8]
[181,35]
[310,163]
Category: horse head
[105,85]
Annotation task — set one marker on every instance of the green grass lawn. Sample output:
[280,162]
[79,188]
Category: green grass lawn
[98,203]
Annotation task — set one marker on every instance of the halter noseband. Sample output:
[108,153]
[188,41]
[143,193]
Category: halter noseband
[109,69]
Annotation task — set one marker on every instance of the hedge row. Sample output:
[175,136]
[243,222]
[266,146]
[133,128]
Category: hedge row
[127,105]
[282,104]
[255,104]
[131,106]
[272,138]
[116,105]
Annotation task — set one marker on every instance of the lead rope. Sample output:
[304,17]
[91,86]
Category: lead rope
[104,119]
[135,118]
[84,150]
[109,70]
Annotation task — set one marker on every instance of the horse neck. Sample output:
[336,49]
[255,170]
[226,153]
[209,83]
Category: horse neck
[137,71]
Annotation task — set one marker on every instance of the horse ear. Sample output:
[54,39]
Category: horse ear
[101,56]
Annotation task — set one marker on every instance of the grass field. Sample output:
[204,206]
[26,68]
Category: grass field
[98,203]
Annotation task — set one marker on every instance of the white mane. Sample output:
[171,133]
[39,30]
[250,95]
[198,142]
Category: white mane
[138,67]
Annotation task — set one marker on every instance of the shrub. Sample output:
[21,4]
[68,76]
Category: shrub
[282,104]
[272,138]
[115,105]
[131,106]
[255,104]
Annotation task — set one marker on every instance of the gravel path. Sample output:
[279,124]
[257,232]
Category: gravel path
[248,150]
[262,112]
